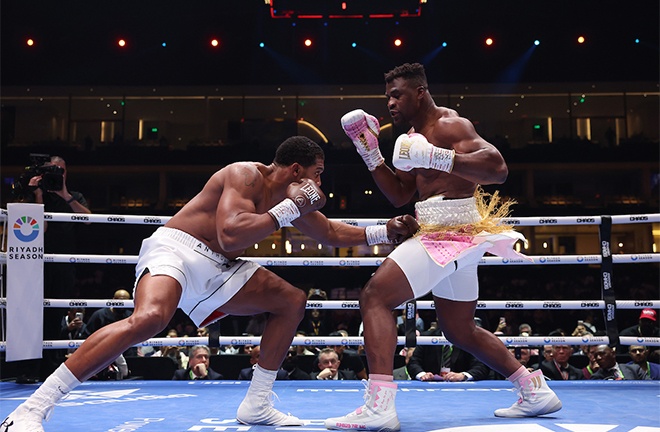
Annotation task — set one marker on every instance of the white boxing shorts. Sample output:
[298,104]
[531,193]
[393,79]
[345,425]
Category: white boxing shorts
[208,280]
[458,279]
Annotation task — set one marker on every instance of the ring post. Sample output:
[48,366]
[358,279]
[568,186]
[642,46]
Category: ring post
[607,287]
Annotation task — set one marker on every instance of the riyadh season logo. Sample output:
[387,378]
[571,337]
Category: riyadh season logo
[26,229]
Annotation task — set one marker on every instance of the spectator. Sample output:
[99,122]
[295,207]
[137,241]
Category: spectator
[445,363]
[198,366]
[592,366]
[247,373]
[73,326]
[524,329]
[105,316]
[558,368]
[291,365]
[329,367]
[349,358]
[639,355]
[173,352]
[402,372]
[60,238]
[609,369]
[645,327]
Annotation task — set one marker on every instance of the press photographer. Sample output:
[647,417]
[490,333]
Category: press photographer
[47,185]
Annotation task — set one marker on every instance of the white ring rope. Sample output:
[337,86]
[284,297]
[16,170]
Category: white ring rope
[354,304]
[357,262]
[361,222]
[358,340]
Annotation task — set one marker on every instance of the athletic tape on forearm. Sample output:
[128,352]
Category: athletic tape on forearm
[284,212]
[376,234]
[442,159]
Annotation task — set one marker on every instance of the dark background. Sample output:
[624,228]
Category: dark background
[76,42]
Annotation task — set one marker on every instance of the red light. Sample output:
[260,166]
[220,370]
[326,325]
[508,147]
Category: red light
[489,41]
[29,42]
[398,42]
[121,43]
[308,42]
[343,5]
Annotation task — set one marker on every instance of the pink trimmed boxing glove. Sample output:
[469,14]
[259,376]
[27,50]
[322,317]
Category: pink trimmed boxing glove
[363,130]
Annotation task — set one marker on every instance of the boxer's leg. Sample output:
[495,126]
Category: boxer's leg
[455,304]
[155,303]
[267,292]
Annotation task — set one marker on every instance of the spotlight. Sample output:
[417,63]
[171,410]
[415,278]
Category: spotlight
[353,44]
[398,42]
[636,40]
[444,44]
[489,41]
[580,39]
[261,45]
[537,42]
[29,42]
[164,44]
[308,42]
[121,43]
[215,43]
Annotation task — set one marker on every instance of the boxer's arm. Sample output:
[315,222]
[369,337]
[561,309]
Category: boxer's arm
[330,232]
[238,224]
[475,159]
[399,188]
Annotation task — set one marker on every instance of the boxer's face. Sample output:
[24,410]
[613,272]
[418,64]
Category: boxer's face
[402,102]
[314,172]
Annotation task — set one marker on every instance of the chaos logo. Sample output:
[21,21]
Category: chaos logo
[26,229]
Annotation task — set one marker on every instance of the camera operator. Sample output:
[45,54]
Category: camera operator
[48,187]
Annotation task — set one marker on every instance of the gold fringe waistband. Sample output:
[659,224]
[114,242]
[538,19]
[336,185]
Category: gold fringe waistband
[492,210]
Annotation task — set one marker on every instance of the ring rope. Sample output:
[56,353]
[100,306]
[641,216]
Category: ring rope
[358,340]
[361,222]
[354,304]
[358,262]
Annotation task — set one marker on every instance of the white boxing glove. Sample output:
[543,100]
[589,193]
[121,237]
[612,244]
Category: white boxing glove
[414,151]
[363,130]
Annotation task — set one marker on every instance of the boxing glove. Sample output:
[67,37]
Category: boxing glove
[363,130]
[414,151]
[302,197]
[397,230]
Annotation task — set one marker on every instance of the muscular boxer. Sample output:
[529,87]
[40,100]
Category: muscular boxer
[443,160]
[193,263]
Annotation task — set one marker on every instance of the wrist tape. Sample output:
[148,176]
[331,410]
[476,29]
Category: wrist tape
[284,212]
[373,158]
[376,234]
[442,159]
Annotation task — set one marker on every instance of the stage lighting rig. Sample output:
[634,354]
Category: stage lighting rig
[357,9]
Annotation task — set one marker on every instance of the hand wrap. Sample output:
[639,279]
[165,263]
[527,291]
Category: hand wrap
[363,130]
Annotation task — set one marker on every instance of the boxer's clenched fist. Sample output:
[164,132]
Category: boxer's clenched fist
[400,228]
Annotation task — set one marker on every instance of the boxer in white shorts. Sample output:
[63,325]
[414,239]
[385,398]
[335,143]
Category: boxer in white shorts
[208,280]
[193,263]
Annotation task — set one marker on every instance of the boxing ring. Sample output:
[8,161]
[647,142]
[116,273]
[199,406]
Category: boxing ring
[588,406]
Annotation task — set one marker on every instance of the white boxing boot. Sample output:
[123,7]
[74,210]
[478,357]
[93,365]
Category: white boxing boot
[257,407]
[25,419]
[536,398]
[29,416]
[378,413]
